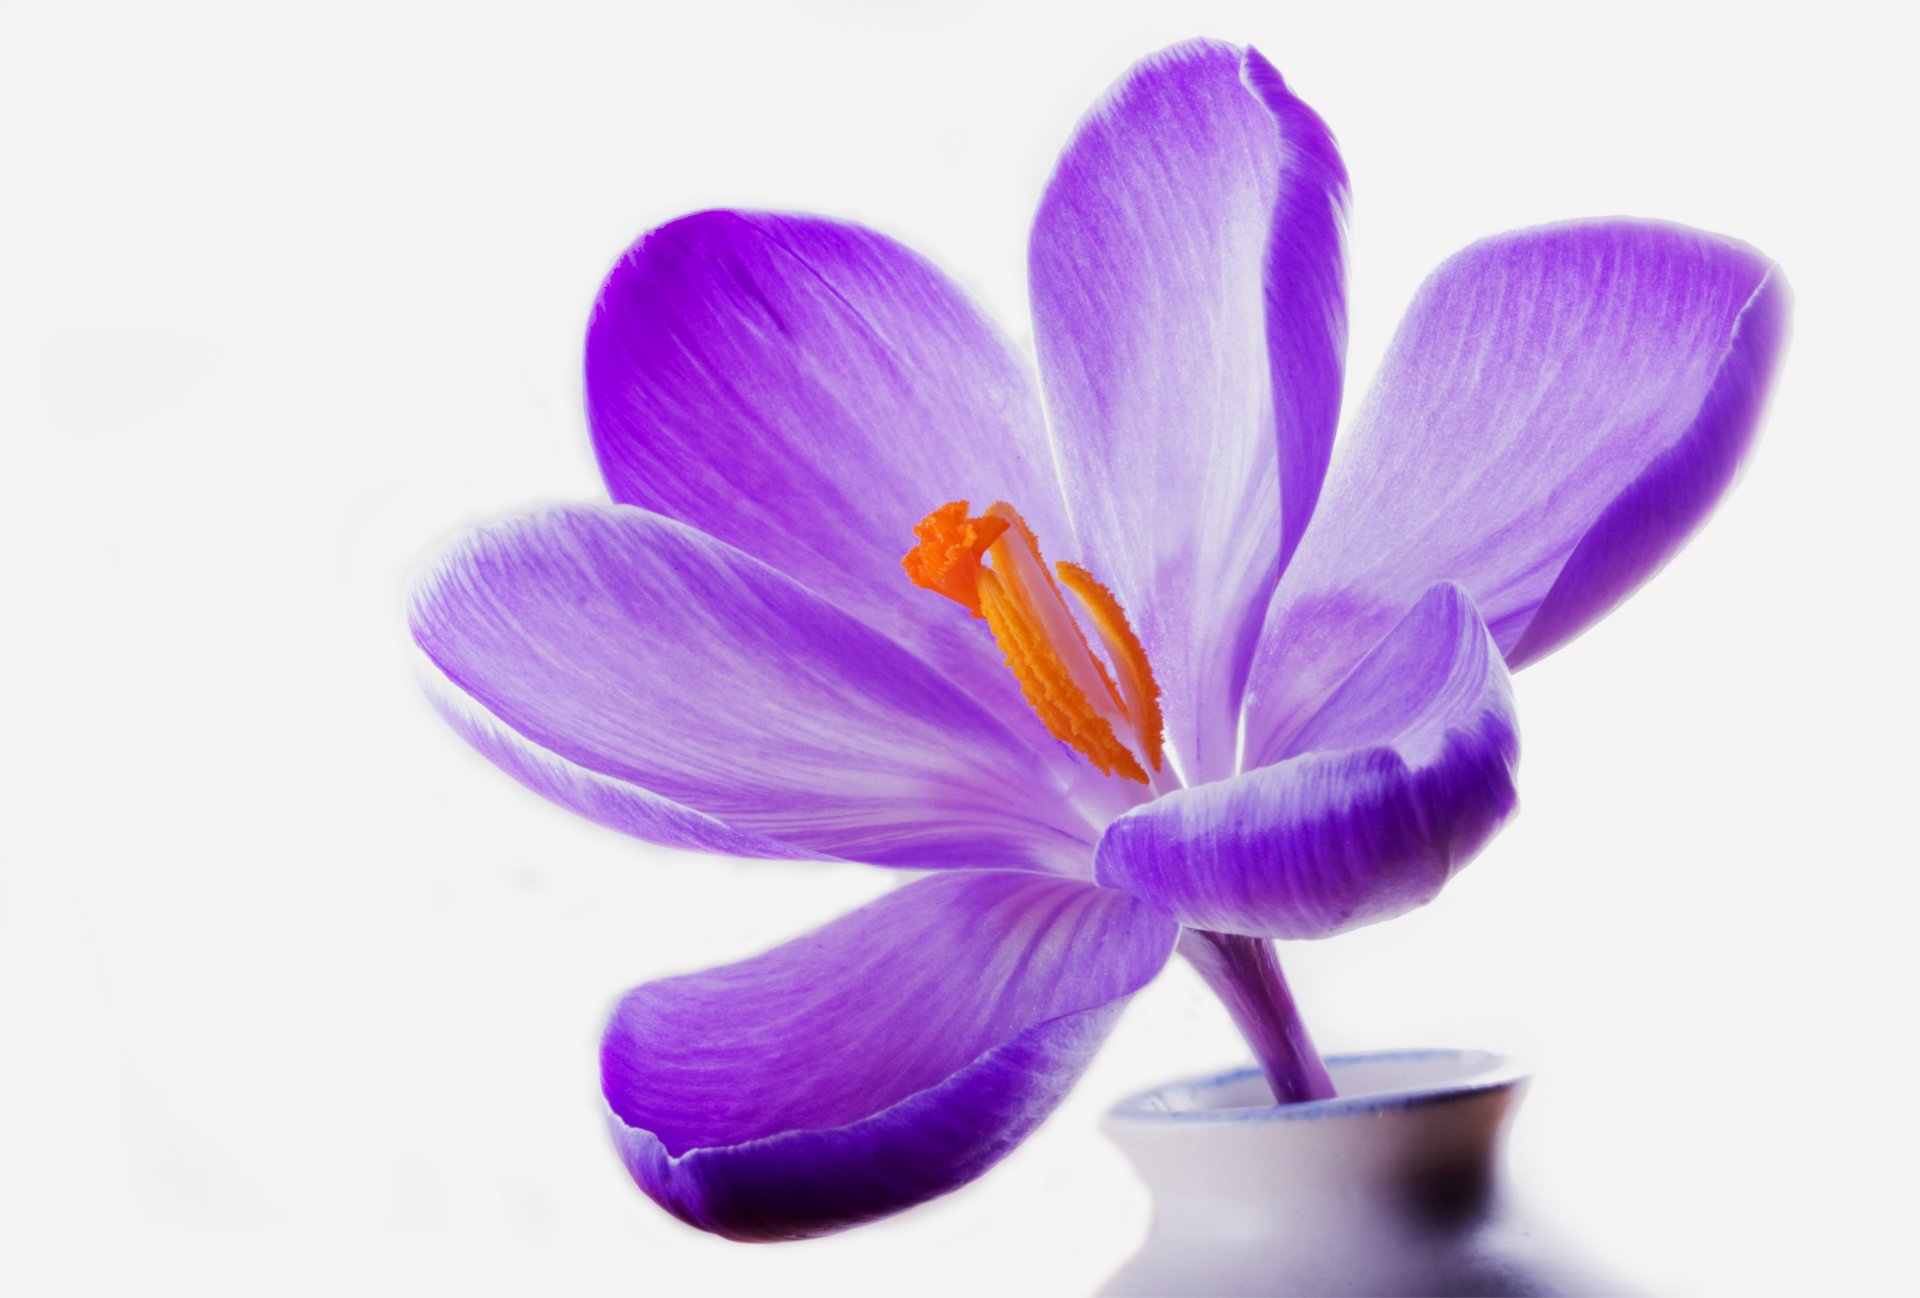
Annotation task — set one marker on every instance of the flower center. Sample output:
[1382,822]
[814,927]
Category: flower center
[1109,711]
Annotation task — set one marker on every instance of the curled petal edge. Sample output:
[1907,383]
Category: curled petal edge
[803,1184]
[610,803]
[880,1060]
[1363,829]
[1645,526]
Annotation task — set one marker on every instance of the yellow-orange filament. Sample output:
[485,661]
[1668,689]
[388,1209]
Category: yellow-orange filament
[1068,687]
[1138,690]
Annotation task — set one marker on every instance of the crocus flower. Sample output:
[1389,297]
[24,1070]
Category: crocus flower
[1265,698]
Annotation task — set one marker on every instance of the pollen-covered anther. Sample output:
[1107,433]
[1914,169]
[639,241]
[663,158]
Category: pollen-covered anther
[1069,688]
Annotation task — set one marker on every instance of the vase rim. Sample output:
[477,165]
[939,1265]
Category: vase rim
[1387,1080]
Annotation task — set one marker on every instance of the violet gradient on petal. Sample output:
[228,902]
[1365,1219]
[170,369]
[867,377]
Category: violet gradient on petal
[806,390]
[1599,377]
[1405,772]
[610,641]
[1188,300]
[885,1058]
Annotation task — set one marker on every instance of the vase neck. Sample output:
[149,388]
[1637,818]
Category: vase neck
[1427,1162]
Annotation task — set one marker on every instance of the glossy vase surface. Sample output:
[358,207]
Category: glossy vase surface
[1393,1187]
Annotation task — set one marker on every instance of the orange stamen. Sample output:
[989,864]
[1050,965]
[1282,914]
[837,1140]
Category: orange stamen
[1048,684]
[1138,690]
[1068,687]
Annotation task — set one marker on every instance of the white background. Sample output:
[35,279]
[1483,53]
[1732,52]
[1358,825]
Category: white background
[298,995]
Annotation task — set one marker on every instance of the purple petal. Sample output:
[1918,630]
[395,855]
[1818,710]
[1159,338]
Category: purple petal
[1189,310]
[602,799]
[1388,790]
[1646,524]
[880,1061]
[660,682]
[1559,411]
[806,391]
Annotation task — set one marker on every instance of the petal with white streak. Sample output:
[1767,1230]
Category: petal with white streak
[659,681]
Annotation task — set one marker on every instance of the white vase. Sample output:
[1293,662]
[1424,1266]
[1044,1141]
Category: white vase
[1394,1187]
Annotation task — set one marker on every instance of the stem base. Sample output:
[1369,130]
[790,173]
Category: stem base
[1244,972]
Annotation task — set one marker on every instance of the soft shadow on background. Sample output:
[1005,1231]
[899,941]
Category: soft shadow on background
[298,995]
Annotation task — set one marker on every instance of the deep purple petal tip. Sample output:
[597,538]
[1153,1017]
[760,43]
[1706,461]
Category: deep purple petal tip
[1558,411]
[1652,518]
[878,1062]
